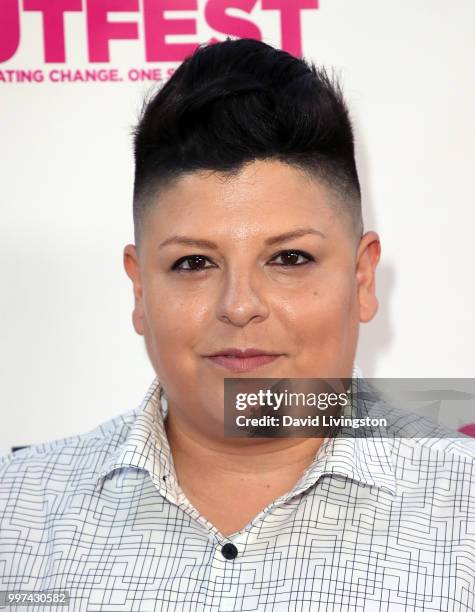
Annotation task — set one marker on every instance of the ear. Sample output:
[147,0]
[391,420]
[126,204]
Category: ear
[132,268]
[369,252]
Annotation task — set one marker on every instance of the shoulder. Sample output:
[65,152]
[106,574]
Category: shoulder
[64,460]
[425,454]
[446,452]
[424,437]
[431,457]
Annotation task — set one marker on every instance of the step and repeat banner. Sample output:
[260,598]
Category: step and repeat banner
[73,78]
[149,23]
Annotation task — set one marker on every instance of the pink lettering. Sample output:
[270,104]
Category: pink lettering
[290,25]
[159,22]
[9,29]
[53,24]
[100,31]
[216,17]
[157,27]
[468,430]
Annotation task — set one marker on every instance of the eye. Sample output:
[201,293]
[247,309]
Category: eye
[291,258]
[195,263]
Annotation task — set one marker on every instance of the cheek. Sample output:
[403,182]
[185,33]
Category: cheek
[173,320]
[325,331]
[171,331]
[325,311]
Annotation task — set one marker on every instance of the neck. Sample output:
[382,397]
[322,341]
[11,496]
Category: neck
[247,460]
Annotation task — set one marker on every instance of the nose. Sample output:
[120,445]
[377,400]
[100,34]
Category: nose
[242,299]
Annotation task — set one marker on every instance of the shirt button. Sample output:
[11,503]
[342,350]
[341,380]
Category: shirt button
[229,551]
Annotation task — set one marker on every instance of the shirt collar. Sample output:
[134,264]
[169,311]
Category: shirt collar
[146,446]
[367,460]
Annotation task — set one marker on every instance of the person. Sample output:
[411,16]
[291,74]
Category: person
[250,261]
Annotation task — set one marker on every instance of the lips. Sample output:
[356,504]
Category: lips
[237,360]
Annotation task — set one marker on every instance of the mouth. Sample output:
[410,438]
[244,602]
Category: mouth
[242,361]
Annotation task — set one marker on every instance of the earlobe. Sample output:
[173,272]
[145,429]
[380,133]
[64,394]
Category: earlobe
[369,253]
[137,320]
[132,269]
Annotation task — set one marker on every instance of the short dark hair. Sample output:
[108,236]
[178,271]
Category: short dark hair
[237,101]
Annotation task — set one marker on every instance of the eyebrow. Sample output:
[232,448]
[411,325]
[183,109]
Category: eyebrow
[207,244]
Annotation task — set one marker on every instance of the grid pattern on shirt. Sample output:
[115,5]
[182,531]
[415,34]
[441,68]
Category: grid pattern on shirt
[372,524]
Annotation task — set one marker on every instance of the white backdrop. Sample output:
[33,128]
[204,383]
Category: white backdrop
[69,356]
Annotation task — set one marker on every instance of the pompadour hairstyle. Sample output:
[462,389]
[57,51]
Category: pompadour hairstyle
[237,101]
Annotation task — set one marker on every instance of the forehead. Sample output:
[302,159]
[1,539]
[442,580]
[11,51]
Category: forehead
[265,196]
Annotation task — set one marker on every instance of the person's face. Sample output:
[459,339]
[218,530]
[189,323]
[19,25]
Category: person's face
[301,297]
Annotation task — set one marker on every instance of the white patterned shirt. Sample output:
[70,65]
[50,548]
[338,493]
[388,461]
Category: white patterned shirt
[374,524]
